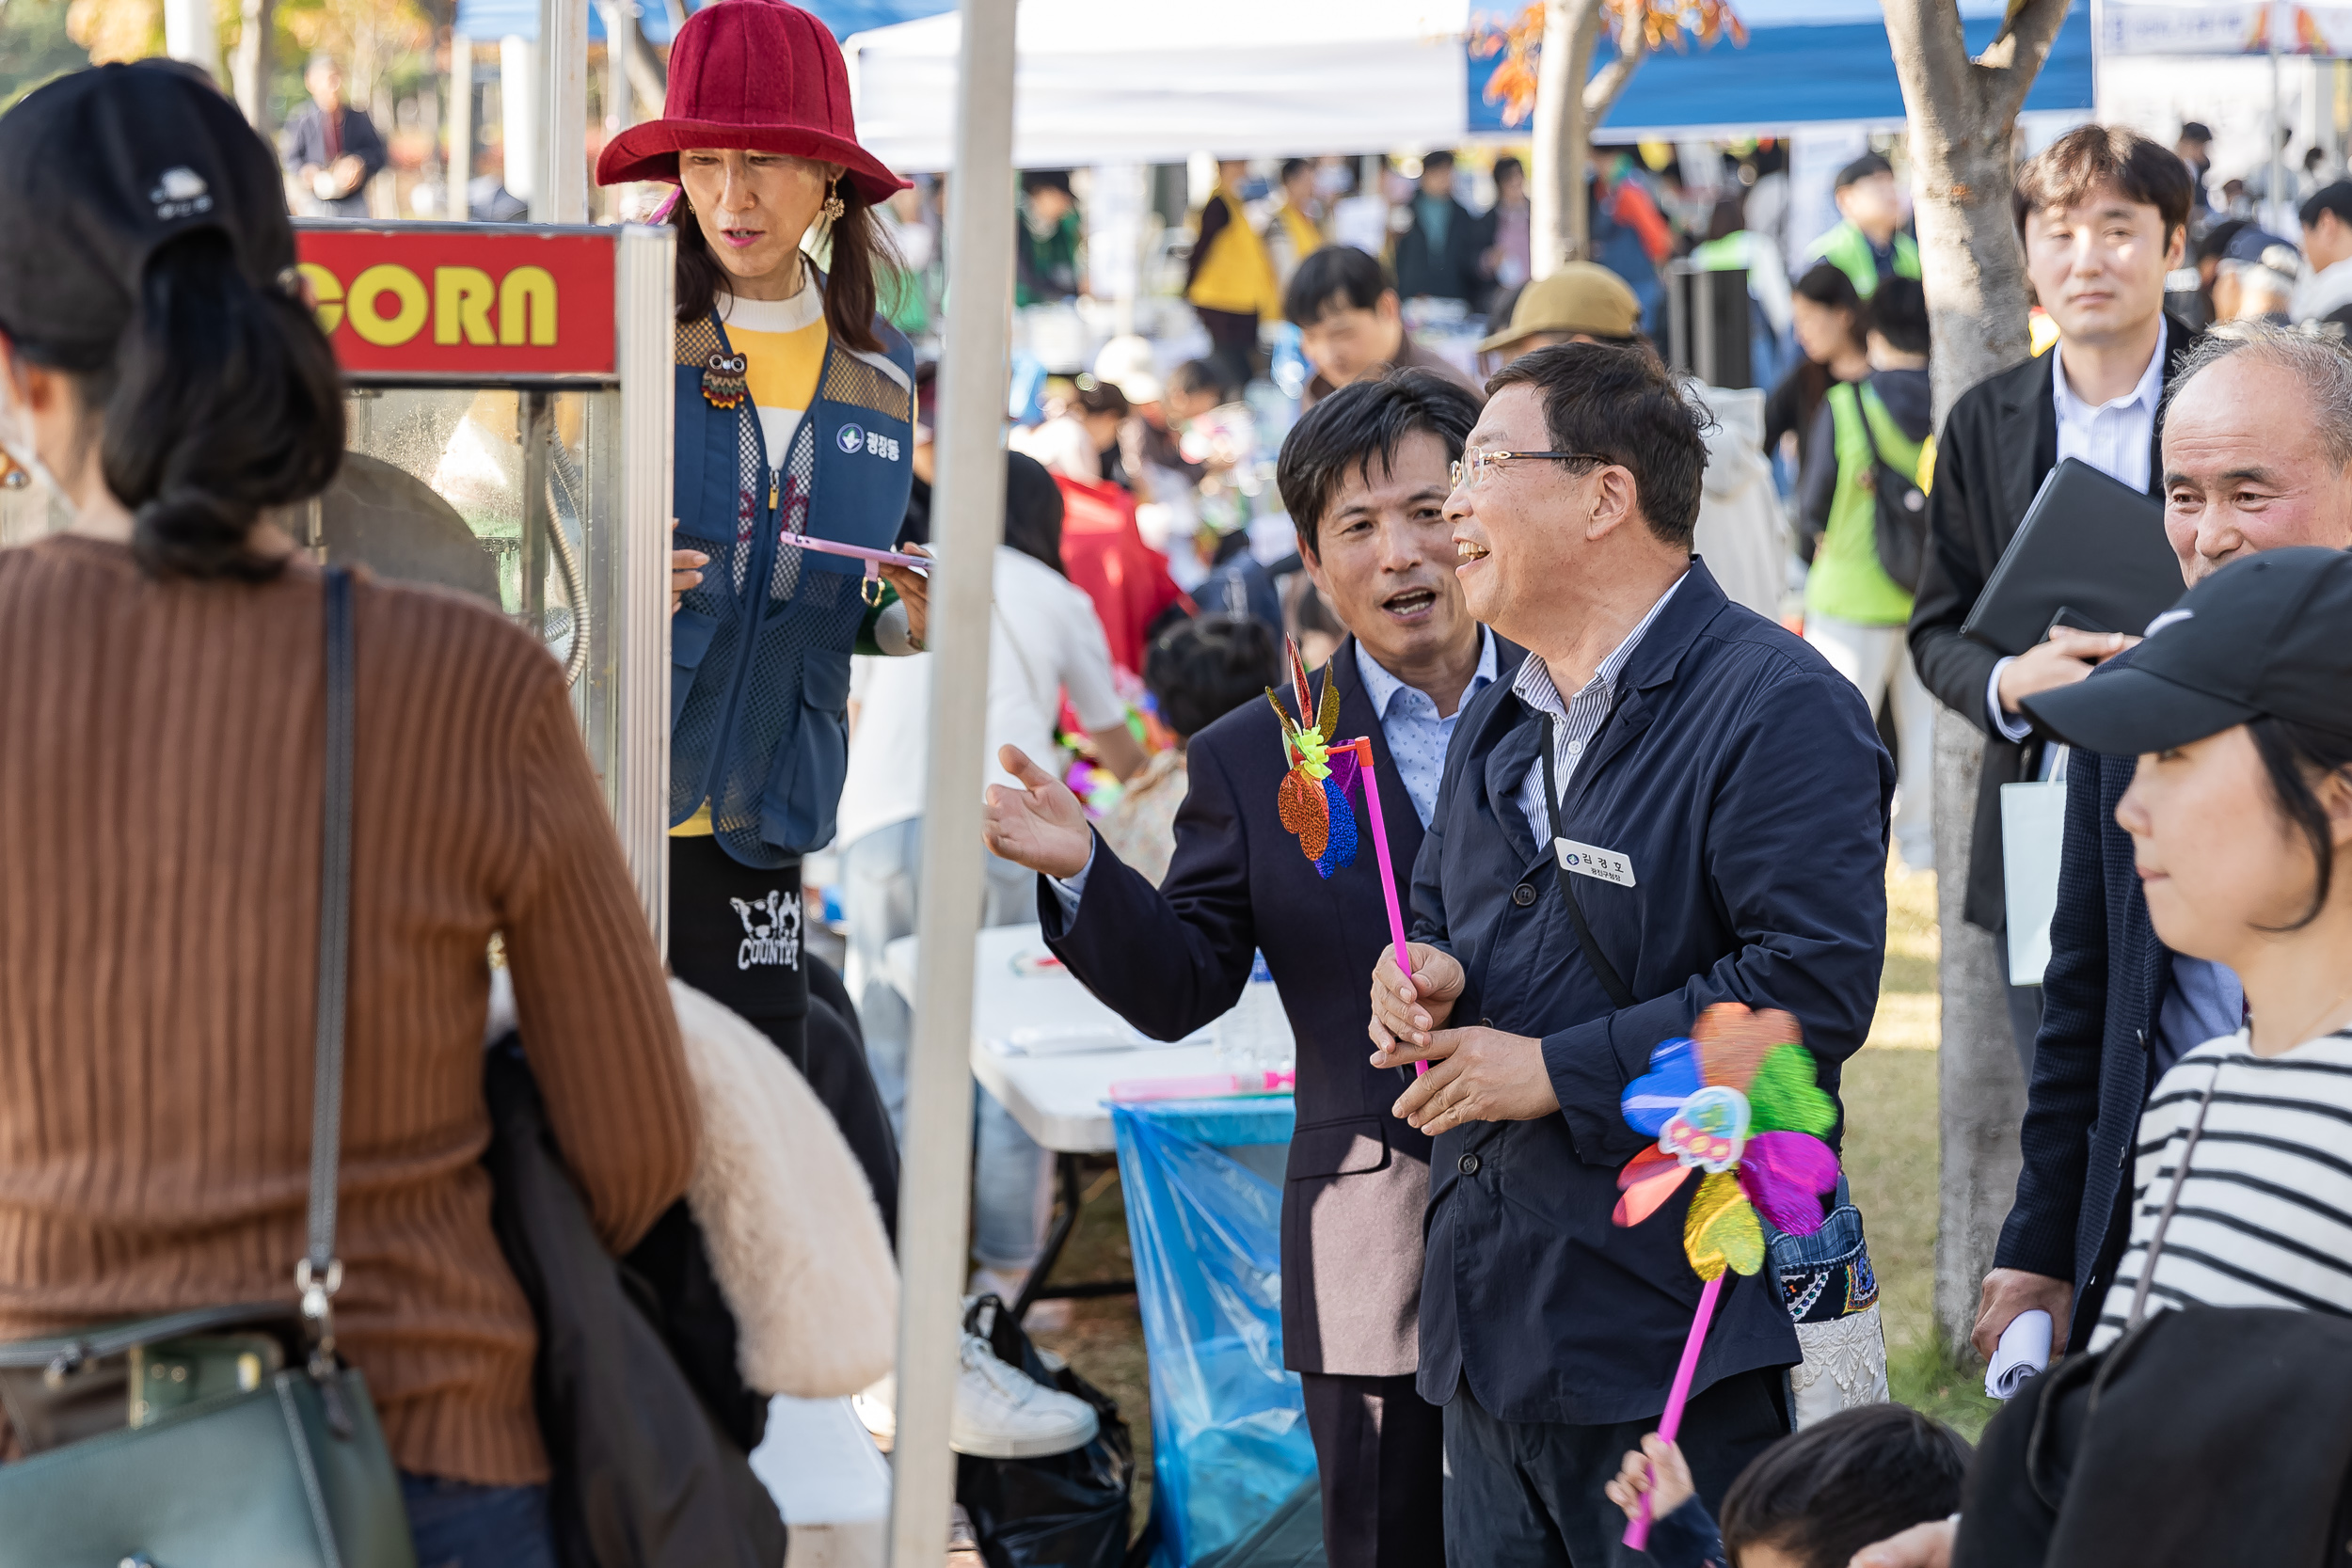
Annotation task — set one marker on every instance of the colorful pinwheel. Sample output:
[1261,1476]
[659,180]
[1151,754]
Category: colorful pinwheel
[1312,802]
[1740,1101]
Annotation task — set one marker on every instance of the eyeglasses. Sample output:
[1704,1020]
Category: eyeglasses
[1478,464]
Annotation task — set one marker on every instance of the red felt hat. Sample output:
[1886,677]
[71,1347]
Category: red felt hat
[756,74]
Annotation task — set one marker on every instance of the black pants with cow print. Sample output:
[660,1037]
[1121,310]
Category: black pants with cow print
[736,935]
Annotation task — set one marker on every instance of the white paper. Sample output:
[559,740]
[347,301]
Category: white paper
[2023,1353]
[2033,829]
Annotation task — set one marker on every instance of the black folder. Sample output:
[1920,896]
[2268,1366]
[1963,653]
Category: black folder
[2090,546]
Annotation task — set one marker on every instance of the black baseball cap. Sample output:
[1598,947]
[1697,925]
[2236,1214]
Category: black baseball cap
[2334,197]
[2269,635]
[101,168]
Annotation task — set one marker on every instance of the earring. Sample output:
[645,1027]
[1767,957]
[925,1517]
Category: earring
[834,207]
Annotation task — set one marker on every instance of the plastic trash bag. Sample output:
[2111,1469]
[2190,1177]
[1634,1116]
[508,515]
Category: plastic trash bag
[1228,1428]
[1061,1511]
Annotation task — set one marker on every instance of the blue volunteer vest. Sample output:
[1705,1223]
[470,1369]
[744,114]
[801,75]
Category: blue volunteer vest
[760,679]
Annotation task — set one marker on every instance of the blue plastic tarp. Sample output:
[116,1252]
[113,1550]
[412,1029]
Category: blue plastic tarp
[1229,1431]
[1805,62]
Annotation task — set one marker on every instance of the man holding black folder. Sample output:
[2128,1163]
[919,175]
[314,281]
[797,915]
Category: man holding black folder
[2103,214]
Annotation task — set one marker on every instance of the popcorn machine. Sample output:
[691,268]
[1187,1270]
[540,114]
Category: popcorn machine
[508,391]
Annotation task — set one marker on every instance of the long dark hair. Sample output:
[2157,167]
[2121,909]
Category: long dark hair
[220,400]
[2293,755]
[860,251]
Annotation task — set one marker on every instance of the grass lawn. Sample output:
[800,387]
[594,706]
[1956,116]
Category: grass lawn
[1890,1099]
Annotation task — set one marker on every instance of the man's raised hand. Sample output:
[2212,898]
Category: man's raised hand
[1040,825]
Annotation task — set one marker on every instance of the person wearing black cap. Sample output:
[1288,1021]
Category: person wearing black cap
[1868,243]
[2255,281]
[2326,294]
[161,729]
[2239,707]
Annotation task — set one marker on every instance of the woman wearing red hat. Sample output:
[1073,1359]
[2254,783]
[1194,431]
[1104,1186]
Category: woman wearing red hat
[795,415]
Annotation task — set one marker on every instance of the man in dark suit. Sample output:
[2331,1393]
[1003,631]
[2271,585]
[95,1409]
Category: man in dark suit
[331,148]
[2256,456]
[1365,476]
[1713,796]
[2103,214]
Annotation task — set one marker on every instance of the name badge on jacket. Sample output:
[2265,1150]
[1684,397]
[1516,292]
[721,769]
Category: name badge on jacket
[1585,861]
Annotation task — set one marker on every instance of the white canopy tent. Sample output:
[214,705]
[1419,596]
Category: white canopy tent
[1106,82]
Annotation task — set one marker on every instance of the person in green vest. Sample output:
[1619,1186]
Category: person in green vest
[1868,243]
[1048,261]
[1869,513]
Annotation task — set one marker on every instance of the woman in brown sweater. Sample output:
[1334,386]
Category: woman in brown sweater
[161,736]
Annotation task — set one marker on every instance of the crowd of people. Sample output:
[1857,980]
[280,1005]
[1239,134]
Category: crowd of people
[1550,589]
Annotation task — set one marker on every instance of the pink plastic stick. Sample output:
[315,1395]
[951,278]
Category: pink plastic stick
[859,552]
[1637,1533]
[1387,872]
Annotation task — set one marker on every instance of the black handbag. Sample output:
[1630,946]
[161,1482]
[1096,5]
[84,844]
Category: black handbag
[230,1436]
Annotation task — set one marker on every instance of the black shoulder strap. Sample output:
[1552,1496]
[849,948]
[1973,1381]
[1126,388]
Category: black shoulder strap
[1620,994]
[320,1272]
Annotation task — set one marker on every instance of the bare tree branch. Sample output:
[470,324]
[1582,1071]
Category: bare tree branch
[1602,92]
[2015,57]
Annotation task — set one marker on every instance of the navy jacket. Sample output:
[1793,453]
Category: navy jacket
[305,143]
[759,651]
[2100,997]
[1744,779]
[1170,959]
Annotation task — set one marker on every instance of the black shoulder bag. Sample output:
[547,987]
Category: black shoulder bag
[225,1436]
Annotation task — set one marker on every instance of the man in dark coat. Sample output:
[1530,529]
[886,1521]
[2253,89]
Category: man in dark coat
[331,148]
[2256,456]
[1442,256]
[2102,213]
[1713,796]
[1365,477]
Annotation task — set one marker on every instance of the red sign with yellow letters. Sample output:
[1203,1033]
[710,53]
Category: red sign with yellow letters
[464,302]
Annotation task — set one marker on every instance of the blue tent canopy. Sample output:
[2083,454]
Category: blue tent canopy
[1805,62]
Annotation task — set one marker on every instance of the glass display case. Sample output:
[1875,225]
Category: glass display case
[509,403]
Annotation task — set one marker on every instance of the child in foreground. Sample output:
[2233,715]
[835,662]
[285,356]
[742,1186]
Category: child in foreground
[1809,1501]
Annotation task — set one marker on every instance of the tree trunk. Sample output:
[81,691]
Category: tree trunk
[1569,101]
[254,62]
[1963,114]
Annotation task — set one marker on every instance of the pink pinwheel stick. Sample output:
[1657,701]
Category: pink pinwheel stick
[1637,1533]
[859,552]
[1387,872]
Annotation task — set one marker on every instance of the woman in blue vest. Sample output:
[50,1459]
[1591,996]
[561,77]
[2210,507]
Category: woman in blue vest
[795,416]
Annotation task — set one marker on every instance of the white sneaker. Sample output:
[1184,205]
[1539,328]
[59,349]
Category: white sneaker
[1001,1414]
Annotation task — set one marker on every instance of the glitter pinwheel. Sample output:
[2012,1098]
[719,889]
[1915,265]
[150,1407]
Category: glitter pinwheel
[1739,1103]
[1313,802]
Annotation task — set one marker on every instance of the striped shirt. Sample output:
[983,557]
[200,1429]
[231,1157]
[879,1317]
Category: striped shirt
[2264,1217]
[1573,726]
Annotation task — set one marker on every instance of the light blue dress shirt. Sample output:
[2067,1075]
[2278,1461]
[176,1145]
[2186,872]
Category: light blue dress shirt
[1416,740]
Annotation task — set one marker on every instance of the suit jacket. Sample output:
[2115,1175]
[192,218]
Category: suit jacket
[2100,997]
[1743,778]
[1170,959]
[1453,270]
[1999,441]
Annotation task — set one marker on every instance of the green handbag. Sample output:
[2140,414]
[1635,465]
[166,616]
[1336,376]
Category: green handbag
[227,1437]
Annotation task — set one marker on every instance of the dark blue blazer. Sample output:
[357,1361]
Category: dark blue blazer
[1170,959]
[2100,997]
[1744,779]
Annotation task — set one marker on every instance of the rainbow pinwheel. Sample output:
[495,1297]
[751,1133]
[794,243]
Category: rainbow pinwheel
[1739,1100]
[1312,802]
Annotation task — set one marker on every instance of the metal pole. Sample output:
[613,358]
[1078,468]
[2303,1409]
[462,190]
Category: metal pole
[2277,124]
[460,125]
[191,34]
[936,1175]
[560,186]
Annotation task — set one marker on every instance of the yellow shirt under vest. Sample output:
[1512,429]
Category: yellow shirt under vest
[1238,274]
[783,345]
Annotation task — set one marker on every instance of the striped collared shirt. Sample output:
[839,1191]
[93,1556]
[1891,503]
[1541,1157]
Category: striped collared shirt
[1574,725]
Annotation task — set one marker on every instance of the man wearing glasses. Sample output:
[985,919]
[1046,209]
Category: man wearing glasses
[1674,803]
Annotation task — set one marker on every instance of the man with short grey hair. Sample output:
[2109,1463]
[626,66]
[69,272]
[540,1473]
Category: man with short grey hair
[2257,455]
